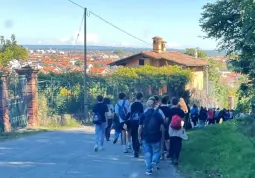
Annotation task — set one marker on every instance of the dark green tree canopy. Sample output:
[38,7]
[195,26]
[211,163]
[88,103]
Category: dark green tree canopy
[232,23]
[9,50]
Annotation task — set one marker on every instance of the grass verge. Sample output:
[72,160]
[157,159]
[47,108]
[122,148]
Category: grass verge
[49,124]
[20,133]
[225,150]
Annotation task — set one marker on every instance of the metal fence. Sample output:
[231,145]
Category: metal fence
[17,103]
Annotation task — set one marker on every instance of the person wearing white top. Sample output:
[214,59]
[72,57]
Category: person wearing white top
[124,124]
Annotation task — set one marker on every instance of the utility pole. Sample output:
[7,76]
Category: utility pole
[85,67]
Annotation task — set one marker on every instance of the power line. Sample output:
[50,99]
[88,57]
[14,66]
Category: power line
[76,4]
[78,35]
[111,24]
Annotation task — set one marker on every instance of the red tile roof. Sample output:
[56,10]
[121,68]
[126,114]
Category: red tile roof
[96,70]
[175,57]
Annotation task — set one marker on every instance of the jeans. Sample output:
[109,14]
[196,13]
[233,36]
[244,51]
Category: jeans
[99,134]
[134,134]
[151,153]
[175,147]
[108,129]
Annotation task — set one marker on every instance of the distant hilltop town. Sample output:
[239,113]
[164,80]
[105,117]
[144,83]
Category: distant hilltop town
[61,59]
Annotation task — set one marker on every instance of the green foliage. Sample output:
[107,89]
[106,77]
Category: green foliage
[67,95]
[220,151]
[246,98]
[9,50]
[118,52]
[78,63]
[43,109]
[218,90]
[232,24]
[193,51]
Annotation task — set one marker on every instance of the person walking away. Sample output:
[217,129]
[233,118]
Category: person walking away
[194,115]
[117,128]
[166,110]
[231,113]
[151,129]
[174,133]
[136,109]
[210,116]
[217,115]
[110,116]
[202,117]
[157,105]
[122,110]
[100,111]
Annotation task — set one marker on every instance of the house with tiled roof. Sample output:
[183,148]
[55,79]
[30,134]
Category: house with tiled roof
[160,57]
[98,71]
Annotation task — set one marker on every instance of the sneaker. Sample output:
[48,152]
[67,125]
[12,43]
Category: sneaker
[115,140]
[155,166]
[96,148]
[125,150]
[101,148]
[136,155]
[162,157]
[172,160]
[176,162]
[148,172]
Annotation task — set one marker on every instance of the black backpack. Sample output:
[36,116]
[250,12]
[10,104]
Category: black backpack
[137,113]
[151,127]
[97,119]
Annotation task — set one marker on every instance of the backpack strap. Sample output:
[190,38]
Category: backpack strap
[123,104]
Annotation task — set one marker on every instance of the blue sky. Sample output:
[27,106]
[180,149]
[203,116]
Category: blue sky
[58,21]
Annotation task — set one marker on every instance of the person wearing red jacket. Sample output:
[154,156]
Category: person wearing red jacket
[210,116]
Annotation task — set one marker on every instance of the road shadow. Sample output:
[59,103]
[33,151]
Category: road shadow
[70,154]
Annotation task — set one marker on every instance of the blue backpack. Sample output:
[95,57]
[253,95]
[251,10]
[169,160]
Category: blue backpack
[123,111]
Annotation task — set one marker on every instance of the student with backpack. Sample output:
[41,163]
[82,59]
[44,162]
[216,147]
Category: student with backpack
[166,110]
[176,131]
[136,109]
[210,117]
[122,110]
[110,116]
[100,120]
[151,129]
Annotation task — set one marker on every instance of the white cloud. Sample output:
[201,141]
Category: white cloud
[92,38]
[124,44]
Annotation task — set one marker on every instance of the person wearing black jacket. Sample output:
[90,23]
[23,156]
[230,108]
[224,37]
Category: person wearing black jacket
[136,109]
[203,116]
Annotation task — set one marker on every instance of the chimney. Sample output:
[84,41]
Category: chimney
[159,45]
[196,53]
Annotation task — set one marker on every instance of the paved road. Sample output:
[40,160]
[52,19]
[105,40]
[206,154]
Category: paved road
[70,154]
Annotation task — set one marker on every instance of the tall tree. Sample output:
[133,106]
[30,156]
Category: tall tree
[232,24]
[9,50]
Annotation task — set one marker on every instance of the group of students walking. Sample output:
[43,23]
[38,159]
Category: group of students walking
[157,127]
[204,116]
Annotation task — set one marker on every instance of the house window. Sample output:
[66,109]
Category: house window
[141,62]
